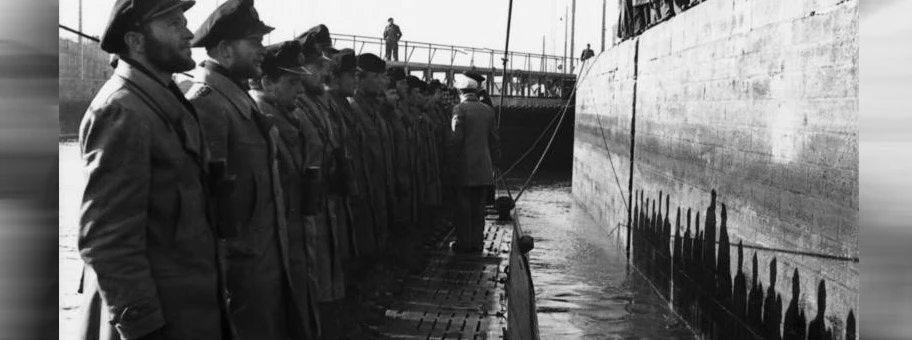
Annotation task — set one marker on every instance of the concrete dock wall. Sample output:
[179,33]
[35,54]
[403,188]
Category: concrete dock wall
[756,99]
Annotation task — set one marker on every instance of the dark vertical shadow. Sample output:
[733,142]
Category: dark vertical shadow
[755,300]
[723,269]
[772,307]
[739,295]
[709,245]
[817,329]
[677,239]
[795,324]
[688,246]
[725,319]
[850,326]
[665,243]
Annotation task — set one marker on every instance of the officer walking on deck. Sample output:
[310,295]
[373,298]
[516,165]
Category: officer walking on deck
[391,35]
[274,93]
[474,149]
[150,248]
[236,131]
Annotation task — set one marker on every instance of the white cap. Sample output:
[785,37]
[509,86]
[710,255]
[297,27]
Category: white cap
[462,82]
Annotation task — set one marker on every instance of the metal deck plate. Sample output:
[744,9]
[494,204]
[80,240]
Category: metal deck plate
[457,296]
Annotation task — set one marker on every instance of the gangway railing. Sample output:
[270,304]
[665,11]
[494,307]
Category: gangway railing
[418,54]
[529,75]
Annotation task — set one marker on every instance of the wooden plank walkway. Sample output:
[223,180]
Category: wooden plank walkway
[457,296]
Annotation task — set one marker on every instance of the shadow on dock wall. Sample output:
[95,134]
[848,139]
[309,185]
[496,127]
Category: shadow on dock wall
[695,276]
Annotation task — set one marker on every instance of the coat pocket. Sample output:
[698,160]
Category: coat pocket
[191,221]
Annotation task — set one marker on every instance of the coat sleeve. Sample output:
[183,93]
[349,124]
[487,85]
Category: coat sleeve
[115,142]
[457,138]
[494,141]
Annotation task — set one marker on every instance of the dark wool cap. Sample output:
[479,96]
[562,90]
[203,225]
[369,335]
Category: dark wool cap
[234,19]
[127,15]
[284,56]
[370,62]
[345,62]
[475,76]
[435,85]
[415,82]
[395,73]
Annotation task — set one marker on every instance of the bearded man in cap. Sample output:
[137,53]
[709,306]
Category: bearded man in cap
[148,242]
[326,151]
[274,93]
[377,160]
[474,149]
[237,131]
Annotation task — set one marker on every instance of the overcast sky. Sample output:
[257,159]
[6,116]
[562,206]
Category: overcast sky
[475,23]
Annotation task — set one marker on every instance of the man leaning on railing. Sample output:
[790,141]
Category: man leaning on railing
[391,35]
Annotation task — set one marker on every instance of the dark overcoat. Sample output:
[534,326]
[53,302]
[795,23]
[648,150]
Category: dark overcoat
[150,250]
[258,266]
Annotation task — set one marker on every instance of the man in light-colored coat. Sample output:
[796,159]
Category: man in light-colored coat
[474,150]
[152,269]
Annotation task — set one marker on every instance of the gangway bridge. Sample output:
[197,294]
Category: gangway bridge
[532,79]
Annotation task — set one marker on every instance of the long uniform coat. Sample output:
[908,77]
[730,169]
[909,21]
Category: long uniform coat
[376,159]
[150,250]
[320,142]
[362,222]
[258,266]
[301,254]
[475,142]
[429,157]
[402,185]
[442,114]
[410,163]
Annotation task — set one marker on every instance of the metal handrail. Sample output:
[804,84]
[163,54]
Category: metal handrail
[546,63]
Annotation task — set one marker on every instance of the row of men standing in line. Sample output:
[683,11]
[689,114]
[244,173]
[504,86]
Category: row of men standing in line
[236,210]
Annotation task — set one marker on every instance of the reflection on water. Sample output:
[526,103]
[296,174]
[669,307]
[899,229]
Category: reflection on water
[583,287]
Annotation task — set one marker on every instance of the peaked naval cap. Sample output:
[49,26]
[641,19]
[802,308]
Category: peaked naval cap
[129,15]
[284,56]
[370,62]
[234,19]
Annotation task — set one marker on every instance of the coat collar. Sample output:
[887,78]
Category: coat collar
[164,103]
[468,97]
[225,86]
